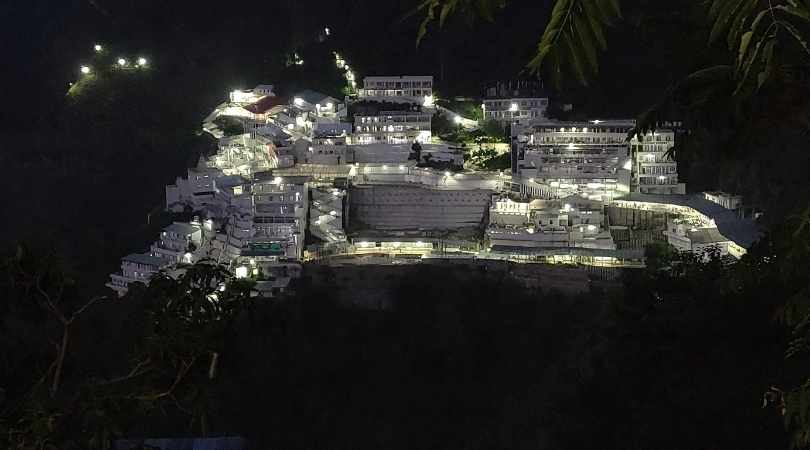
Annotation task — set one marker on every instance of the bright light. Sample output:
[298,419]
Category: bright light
[326,30]
[241,272]
[661,177]
[85,70]
[290,126]
[298,101]
[384,167]
[447,174]
[458,119]
[252,261]
[401,167]
[572,147]
[428,101]
[142,61]
[330,105]
[513,107]
[530,230]
[596,121]
[277,180]
[591,227]
[628,164]
[483,106]
[122,62]
[567,207]
[531,180]
[98,48]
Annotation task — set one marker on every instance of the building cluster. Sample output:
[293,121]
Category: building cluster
[311,176]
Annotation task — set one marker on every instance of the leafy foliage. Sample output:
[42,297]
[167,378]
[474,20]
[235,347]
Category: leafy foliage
[574,35]
[440,10]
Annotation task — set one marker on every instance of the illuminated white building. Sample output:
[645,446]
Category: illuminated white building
[696,224]
[392,127]
[416,89]
[569,222]
[515,110]
[556,159]
[654,170]
[176,241]
[135,268]
[279,216]
[726,200]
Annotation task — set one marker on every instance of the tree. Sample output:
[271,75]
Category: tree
[177,327]
[742,114]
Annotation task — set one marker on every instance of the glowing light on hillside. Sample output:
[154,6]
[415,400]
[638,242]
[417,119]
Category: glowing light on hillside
[85,70]
[142,62]
[122,62]
[98,48]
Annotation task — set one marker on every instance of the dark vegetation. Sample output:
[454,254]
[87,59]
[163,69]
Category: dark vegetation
[680,358]
[688,355]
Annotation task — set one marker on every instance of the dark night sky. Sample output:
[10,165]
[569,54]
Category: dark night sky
[47,40]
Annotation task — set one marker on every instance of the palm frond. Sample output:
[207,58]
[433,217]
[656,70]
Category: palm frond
[573,37]
[440,10]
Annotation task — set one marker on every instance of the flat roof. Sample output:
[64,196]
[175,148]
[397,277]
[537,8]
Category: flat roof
[182,228]
[742,231]
[148,260]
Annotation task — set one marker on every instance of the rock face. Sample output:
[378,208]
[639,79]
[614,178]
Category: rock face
[375,286]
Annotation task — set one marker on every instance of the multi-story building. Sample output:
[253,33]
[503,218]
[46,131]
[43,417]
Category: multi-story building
[392,127]
[556,159]
[515,109]
[176,242]
[654,170]
[515,102]
[562,223]
[279,215]
[416,89]
[135,268]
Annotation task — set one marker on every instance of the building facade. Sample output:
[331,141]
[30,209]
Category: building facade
[392,127]
[417,89]
[654,170]
[515,109]
[558,159]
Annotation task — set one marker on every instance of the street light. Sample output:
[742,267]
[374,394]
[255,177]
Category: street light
[98,48]
[85,70]
[142,61]
[122,62]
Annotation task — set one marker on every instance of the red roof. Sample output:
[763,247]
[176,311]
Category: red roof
[265,104]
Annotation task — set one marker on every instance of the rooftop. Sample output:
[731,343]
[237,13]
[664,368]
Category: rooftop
[182,228]
[742,231]
[139,258]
